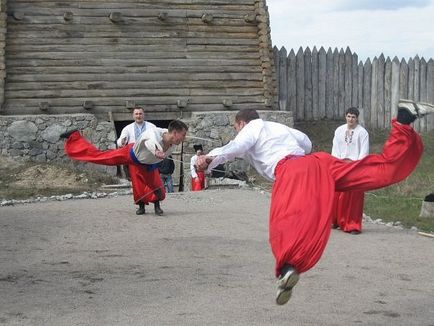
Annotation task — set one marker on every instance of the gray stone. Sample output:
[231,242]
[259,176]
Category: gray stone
[23,130]
[221,120]
[51,155]
[214,134]
[51,134]
[40,158]
[15,152]
[35,151]
[427,209]
[17,145]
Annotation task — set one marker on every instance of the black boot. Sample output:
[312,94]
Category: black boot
[158,210]
[141,209]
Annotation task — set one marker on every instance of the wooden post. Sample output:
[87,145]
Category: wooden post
[387,93]
[348,80]
[430,91]
[355,80]
[283,80]
[367,87]
[423,91]
[411,93]
[341,84]
[3,29]
[403,80]
[335,106]
[360,85]
[329,84]
[374,94]
[308,84]
[394,88]
[322,76]
[292,87]
[315,81]
[300,84]
[380,91]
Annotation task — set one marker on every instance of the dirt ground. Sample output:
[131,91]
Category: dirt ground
[21,180]
[205,262]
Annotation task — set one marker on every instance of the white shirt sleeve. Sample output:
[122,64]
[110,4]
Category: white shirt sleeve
[335,148]
[192,168]
[124,134]
[245,139]
[302,140]
[364,144]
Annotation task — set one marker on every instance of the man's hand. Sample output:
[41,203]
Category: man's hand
[202,162]
[159,154]
[123,141]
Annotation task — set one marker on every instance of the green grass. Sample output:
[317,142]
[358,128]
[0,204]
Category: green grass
[401,202]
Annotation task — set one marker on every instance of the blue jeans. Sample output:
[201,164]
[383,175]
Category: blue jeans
[167,181]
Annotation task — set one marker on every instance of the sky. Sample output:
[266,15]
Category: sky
[402,28]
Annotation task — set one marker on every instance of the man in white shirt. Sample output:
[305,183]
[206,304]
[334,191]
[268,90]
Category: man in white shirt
[150,148]
[197,177]
[304,185]
[350,143]
[128,135]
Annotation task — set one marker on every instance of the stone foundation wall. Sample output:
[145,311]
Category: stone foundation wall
[36,137]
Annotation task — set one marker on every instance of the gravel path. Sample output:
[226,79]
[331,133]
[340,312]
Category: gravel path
[206,262]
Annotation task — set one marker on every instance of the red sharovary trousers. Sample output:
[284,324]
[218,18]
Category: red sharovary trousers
[144,182]
[304,189]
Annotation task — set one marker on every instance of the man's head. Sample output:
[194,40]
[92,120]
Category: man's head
[138,115]
[198,148]
[352,117]
[243,117]
[177,130]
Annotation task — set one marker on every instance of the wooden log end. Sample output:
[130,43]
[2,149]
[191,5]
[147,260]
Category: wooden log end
[88,105]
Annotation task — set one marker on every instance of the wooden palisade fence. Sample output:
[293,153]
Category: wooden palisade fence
[322,85]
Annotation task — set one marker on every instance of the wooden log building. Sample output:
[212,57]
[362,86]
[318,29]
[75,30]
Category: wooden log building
[173,57]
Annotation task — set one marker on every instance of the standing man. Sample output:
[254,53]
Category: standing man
[304,185]
[197,176]
[149,149]
[350,143]
[167,167]
[129,134]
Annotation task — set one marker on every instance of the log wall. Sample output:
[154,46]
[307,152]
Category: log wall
[170,56]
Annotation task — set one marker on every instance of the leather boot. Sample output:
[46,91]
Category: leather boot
[141,209]
[158,210]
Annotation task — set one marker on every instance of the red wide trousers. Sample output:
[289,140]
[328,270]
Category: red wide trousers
[197,185]
[348,210]
[144,182]
[304,188]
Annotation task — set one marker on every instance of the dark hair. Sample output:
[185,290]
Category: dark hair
[139,108]
[177,125]
[353,110]
[246,115]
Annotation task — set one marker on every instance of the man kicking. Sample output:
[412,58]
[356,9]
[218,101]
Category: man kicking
[150,148]
[304,185]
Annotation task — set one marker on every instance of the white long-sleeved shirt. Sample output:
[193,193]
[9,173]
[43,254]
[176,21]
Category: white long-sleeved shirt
[350,144]
[263,144]
[128,132]
[144,147]
[192,166]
